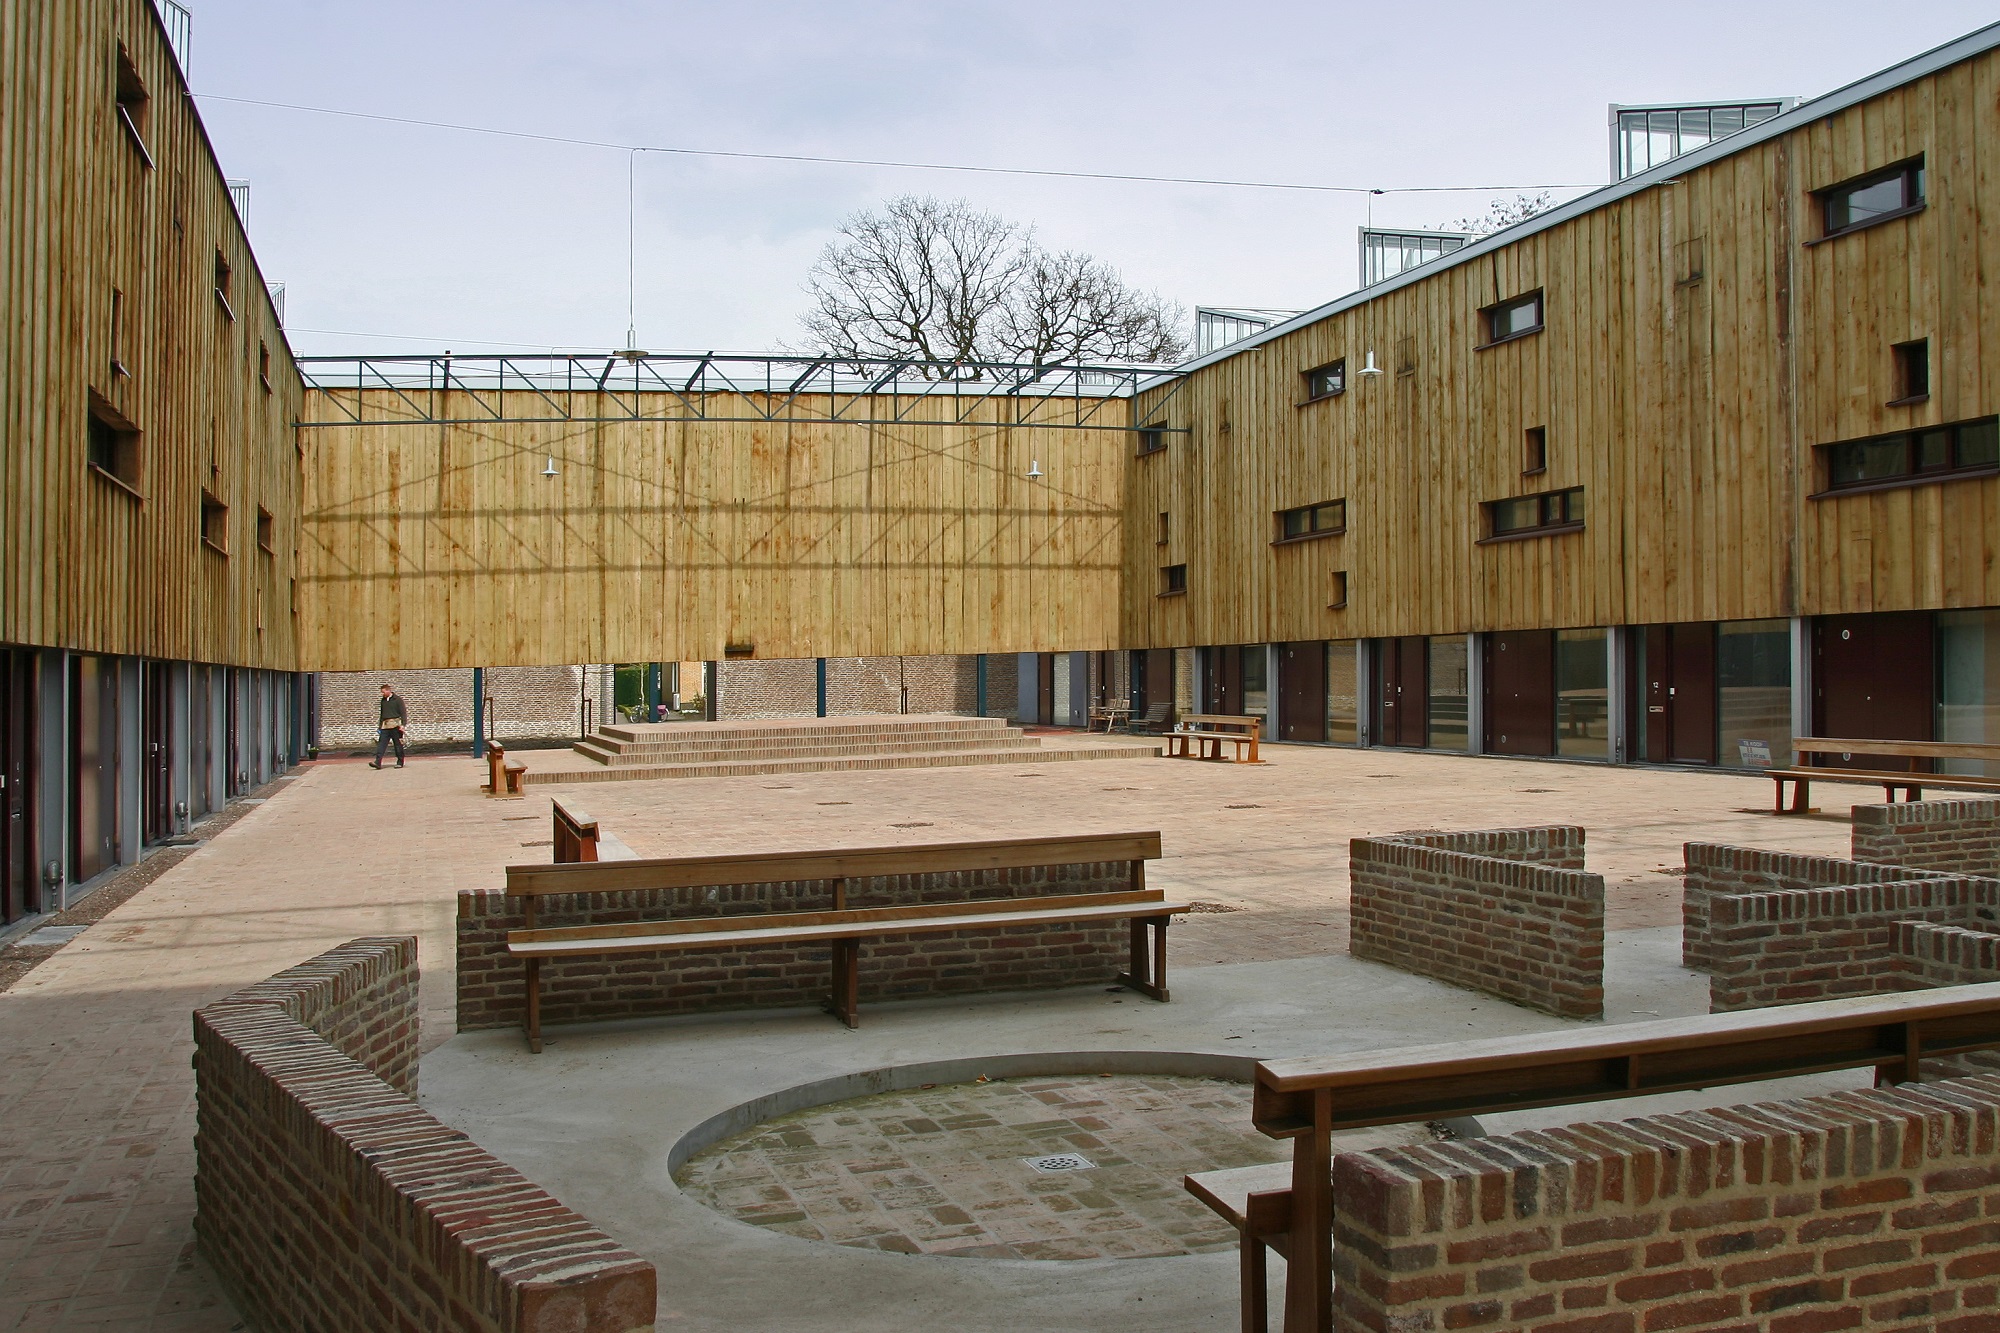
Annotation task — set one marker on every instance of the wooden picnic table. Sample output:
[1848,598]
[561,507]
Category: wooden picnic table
[1202,736]
[1909,779]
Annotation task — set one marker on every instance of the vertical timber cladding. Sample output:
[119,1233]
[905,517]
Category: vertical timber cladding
[85,563]
[1696,350]
[435,545]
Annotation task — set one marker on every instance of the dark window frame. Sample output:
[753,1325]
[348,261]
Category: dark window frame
[1555,508]
[1338,592]
[1913,473]
[1913,372]
[1535,451]
[264,364]
[267,531]
[1490,313]
[225,274]
[132,103]
[1173,580]
[1336,370]
[1311,532]
[214,522]
[115,447]
[1915,197]
[1152,440]
[1160,535]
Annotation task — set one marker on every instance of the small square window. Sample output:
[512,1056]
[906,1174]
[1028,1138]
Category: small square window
[1173,579]
[1536,458]
[223,277]
[1152,439]
[1327,381]
[267,531]
[1913,371]
[112,448]
[1513,319]
[1337,592]
[1876,197]
[214,523]
[1161,538]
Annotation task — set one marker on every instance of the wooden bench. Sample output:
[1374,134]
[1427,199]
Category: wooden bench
[579,838]
[1202,736]
[1910,780]
[503,777]
[841,927]
[1111,714]
[1153,723]
[1289,1207]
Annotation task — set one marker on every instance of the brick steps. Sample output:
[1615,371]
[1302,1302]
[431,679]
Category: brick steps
[675,745]
[652,756]
[837,763]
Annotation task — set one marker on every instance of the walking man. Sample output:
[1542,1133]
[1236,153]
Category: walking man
[389,729]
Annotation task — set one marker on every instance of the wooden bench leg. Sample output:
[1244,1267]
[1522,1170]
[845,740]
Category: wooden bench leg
[533,1018]
[1801,796]
[1253,1296]
[1778,801]
[1147,972]
[846,999]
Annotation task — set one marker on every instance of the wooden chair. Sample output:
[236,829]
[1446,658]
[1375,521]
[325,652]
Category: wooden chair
[503,777]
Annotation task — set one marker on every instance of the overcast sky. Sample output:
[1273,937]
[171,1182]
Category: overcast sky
[405,238]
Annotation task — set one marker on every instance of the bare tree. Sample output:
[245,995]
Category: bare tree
[935,280]
[1503,213]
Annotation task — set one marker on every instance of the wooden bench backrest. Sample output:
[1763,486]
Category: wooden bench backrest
[575,835]
[1804,745]
[1629,1060]
[681,872]
[1217,721]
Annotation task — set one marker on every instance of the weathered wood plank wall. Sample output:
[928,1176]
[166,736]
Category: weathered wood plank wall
[1697,349]
[444,545]
[84,563]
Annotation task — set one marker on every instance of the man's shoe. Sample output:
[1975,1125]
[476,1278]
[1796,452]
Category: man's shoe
[399,763]
[374,763]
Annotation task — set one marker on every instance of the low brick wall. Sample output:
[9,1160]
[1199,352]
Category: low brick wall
[1953,837]
[1796,945]
[1863,1210]
[327,1199]
[1948,955]
[1716,871]
[581,990]
[1507,911]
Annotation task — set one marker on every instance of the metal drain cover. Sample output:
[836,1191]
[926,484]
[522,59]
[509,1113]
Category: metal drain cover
[1061,1161]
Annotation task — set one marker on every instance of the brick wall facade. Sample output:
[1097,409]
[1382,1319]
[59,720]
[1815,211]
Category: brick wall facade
[1862,1210]
[527,704]
[1796,945]
[582,990]
[1715,870]
[1507,911]
[862,686]
[327,1199]
[1949,955]
[1953,837]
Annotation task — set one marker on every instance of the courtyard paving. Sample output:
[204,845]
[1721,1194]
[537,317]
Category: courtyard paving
[96,1114]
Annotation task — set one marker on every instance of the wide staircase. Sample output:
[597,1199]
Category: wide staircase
[804,745]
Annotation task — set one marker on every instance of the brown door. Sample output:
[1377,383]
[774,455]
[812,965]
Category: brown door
[1520,692]
[1152,679]
[93,733]
[1302,690]
[1402,712]
[1223,672]
[1678,692]
[1874,678]
[201,741]
[157,812]
[1045,688]
[20,887]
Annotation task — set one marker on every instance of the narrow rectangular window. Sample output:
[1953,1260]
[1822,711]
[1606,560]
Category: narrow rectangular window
[1337,591]
[1515,318]
[214,523]
[264,364]
[1913,371]
[112,446]
[267,529]
[1173,579]
[1529,515]
[1152,439]
[1161,539]
[117,340]
[1536,459]
[133,104]
[223,277]
[1326,519]
[1938,453]
[1877,197]
[1327,381]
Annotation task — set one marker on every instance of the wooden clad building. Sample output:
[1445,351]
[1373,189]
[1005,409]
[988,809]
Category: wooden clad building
[149,498]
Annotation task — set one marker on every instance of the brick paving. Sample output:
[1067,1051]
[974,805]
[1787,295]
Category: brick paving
[96,1111]
[945,1170]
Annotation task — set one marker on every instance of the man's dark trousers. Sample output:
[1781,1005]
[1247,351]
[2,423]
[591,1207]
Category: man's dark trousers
[384,738]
